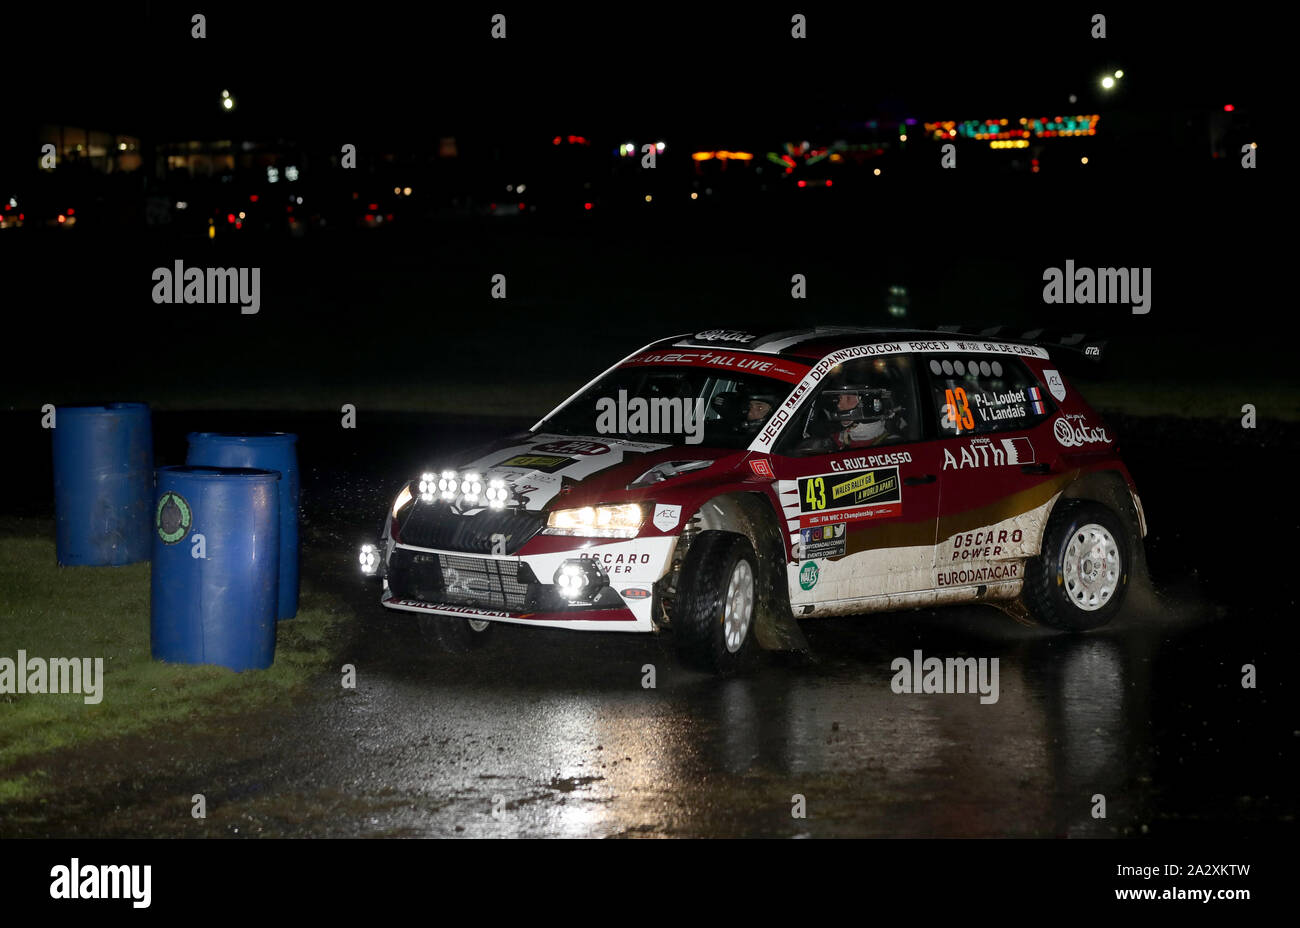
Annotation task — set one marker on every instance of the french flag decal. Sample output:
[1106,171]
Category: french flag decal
[1036,401]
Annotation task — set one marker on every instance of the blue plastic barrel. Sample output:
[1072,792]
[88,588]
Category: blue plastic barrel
[268,451]
[216,558]
[103,484]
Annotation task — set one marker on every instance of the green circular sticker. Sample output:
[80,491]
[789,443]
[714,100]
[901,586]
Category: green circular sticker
[172,518]
[808,575]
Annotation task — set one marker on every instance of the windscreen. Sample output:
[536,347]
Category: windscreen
[673,405]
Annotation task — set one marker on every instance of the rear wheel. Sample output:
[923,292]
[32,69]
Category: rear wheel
[1078,580]
[717,598]
[458,636]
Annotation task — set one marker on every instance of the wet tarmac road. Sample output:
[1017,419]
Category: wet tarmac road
[552,732]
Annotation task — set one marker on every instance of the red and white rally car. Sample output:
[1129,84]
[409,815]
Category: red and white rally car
[725,484]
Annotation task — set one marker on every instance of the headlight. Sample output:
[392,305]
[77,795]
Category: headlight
[426,488]
[497,494]
[447,484]
[369,558]
[597,521]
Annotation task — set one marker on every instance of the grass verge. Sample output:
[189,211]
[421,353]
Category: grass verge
[51,611]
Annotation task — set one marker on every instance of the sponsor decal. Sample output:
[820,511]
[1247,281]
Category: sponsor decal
[172,518]
[726,360]
[1073,434]
[827,541]
[1055,385]
[808,575]
[634,592]
[666,517]
[546,463]
[985,452]
[449,607]
[724,335]
[983,545]
[623,563]
[575,446]
[871,460]
[846,490]
[966,576]
[762,467]
[853,515]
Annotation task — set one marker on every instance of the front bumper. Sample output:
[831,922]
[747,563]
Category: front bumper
[518,588]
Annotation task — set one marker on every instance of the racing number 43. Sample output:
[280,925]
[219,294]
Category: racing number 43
[816,495]
[959,410]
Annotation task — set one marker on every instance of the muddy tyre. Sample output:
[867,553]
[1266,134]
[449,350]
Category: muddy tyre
[456,636]
[1079,579]
[717,600]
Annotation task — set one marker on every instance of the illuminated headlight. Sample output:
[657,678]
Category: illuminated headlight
[470,487]
[426,488]
[369,560]
[405,497]
[447,484]
[622,521]
[496,493]
[579,579]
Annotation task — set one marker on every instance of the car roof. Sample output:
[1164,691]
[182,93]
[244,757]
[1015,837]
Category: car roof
[815,342]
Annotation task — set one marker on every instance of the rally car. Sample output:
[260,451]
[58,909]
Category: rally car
[725,484]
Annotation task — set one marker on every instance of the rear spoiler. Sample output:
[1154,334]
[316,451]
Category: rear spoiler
[1078,344]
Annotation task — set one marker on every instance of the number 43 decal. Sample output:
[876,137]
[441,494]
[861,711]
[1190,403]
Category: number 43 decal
[957,410]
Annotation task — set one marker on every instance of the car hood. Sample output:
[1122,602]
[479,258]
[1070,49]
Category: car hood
[539,468]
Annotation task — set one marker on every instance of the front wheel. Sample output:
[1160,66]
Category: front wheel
[458,636]
[1078,580]
[717,598]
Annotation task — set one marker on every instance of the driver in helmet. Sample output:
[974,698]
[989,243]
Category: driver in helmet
[759,408]
[860,416]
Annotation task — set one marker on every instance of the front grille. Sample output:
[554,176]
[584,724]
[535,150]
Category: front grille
[436,525]
[463,581]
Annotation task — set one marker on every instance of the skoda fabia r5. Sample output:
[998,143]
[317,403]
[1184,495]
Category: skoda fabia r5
[726,484]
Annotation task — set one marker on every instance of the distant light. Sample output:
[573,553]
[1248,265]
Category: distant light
[241,215]
[510,188]
[695,196]
[230,217]
[903,137]
[555,141]
[521,207]
[1083,160]
[876,172]
[803,183]
[1107,82]
[373,206]
[397,190]
[181,204]
[828,182]
[300,199]
[519,189]
[71,211]
[659,146]
[1118,75]
[212,230]
[13,201]
[272,175]
[291,172]
[1252,145]
[225,94]
[648,198]
[121,146]
[63,218]
[1073,98]
[1228,107]
[586,206]
[252,198]
[406,191]
[228,103]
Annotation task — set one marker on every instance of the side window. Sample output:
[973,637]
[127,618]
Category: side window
[973,395]
[867,402]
